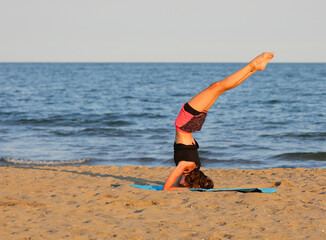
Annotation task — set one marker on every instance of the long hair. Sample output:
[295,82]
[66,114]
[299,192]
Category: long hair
[197,179]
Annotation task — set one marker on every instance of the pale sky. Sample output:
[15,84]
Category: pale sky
[161,31]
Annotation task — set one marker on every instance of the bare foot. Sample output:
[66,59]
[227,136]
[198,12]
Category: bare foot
[259,63]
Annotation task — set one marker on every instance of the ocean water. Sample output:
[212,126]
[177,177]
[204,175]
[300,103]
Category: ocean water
[123,114]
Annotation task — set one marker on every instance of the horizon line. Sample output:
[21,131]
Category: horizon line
[95,62]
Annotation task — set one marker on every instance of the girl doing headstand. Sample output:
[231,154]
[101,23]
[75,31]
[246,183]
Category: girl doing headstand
[187,173]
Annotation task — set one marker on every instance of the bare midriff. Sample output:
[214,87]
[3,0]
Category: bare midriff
[184,138]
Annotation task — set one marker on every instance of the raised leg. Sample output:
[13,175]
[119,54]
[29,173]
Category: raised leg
[206,98]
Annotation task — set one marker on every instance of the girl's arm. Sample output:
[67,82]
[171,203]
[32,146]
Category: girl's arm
[182,167]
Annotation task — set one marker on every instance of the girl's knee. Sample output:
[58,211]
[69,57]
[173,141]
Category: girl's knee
[218,87]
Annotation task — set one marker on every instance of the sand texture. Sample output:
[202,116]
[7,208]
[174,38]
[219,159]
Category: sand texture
[86,203]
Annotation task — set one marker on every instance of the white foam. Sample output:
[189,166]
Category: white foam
[45,162]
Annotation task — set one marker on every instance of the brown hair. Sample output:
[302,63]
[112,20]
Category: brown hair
[197,179]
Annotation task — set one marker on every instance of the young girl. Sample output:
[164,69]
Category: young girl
[191,119]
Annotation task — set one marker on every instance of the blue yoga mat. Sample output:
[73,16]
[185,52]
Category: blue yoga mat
[160,188]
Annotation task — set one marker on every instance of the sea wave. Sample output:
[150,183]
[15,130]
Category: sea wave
[300,135]
[71,119]
[45,162]
[316,156]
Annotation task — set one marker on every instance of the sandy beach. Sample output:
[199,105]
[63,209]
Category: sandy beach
[97,202]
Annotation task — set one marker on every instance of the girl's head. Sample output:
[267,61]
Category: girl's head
[197,179]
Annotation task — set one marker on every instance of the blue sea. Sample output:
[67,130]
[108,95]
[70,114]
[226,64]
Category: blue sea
[123,114]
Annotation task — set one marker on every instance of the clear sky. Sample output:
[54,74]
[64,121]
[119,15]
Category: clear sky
[161,31]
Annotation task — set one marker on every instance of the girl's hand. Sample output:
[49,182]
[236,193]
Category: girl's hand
[183,167]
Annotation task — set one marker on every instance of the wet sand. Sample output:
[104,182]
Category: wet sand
[97,202]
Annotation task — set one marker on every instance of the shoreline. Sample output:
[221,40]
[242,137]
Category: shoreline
[85,202]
